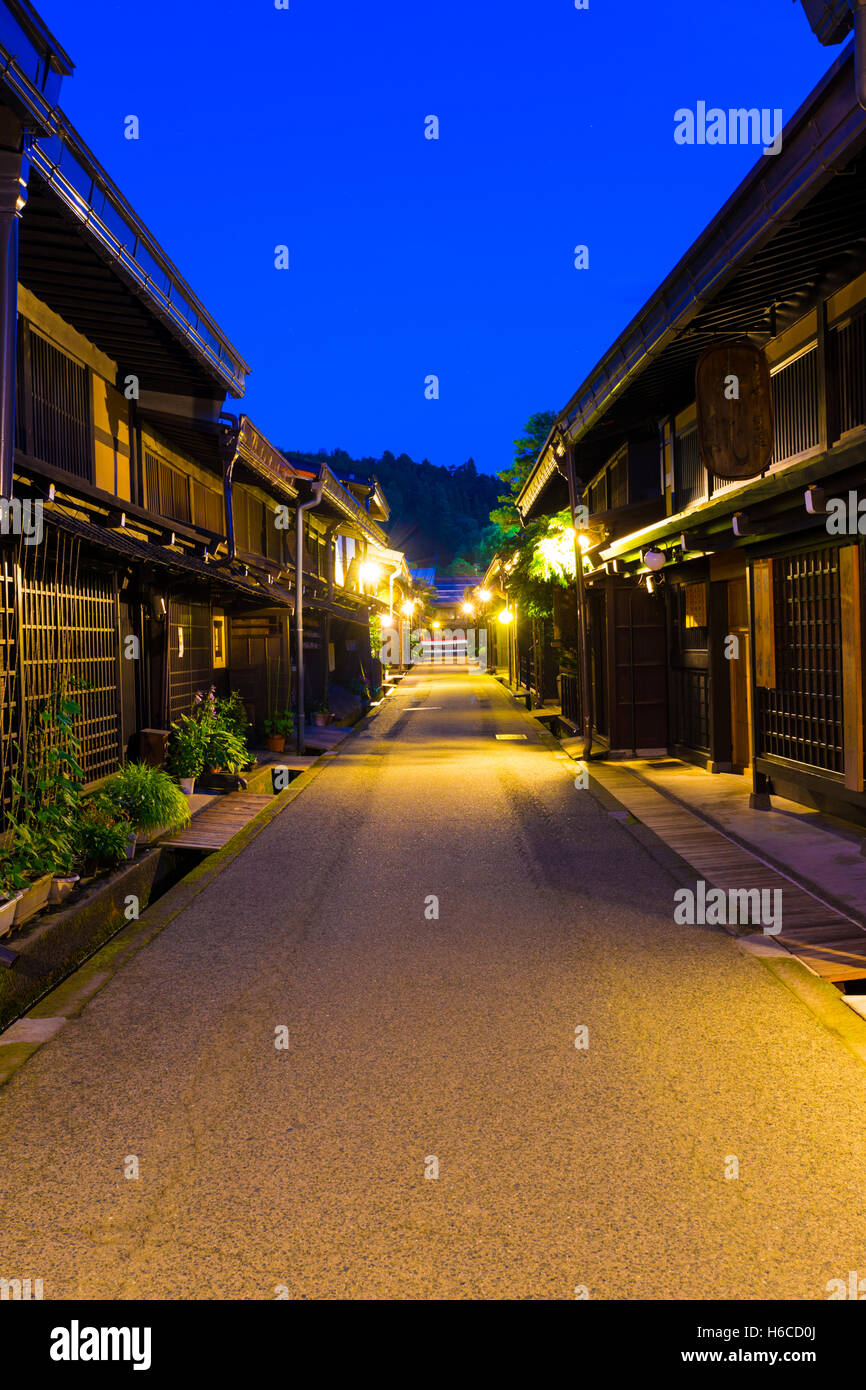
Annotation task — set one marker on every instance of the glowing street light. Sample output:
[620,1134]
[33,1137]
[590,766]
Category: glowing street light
[506,615]
[370,572]
[467,609]
[483,595]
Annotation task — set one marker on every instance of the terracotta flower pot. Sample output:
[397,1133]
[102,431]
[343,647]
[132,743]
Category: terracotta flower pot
[276,743]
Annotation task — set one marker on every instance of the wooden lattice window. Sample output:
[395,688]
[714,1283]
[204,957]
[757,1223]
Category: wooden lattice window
[69,628]
[850,339]
[190,653]
[800,718]
[795,407]
[690,484]
[56,408]
[168,489]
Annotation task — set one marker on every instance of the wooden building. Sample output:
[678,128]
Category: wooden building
[148,539]
[723,616]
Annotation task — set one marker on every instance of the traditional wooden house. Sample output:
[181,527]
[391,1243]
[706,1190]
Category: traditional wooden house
[721,615]
[148,542]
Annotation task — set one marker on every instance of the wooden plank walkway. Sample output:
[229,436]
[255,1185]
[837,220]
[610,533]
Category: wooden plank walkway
[828,941]
[214,826]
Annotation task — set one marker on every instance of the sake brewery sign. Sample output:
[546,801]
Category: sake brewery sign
[735,410]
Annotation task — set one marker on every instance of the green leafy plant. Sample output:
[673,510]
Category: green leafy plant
[187,746]
[148,798]
[225,749]
[101,834]
[280,724]
[45,788]
[12,878]
[231,713]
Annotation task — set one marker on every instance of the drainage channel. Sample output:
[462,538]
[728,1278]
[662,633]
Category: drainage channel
[823,937]
[57,943]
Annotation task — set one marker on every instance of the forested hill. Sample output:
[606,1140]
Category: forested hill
[438,515]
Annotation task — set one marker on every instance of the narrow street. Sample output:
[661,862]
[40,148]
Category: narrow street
[414,1037]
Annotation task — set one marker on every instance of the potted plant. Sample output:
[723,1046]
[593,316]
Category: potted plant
[278,727]
[280,721]
[233,714]
[10,896]
[101,836]
[321,714]
[62,886]
[224,751]
[148,798]
[46,794]
[38,874]
[187,744]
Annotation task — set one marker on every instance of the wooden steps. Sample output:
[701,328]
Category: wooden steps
[833,945]
[214,826]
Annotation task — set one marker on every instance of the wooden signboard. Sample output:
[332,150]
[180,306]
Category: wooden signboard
[735,410]
[765,627]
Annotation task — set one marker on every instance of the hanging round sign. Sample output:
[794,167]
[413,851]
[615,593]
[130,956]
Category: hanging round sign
[735,410]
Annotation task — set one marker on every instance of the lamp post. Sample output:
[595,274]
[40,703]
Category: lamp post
[580,591]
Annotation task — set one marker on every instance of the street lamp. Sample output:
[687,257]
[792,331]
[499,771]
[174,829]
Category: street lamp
[369,572]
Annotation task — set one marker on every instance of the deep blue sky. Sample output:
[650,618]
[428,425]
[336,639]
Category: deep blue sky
[409,257]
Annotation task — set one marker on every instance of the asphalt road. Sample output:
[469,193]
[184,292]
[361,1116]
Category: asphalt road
[413,1037]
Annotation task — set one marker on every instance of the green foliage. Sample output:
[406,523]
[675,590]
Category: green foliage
[553,556]
[187,747]
[529,586]
[45,790]
[213,734]
[280,724]
[224,749]
[462,568]
[232,713]
[375,634]
[532,594]
[101,834]
[438,512]
[148,798]
[506,517]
